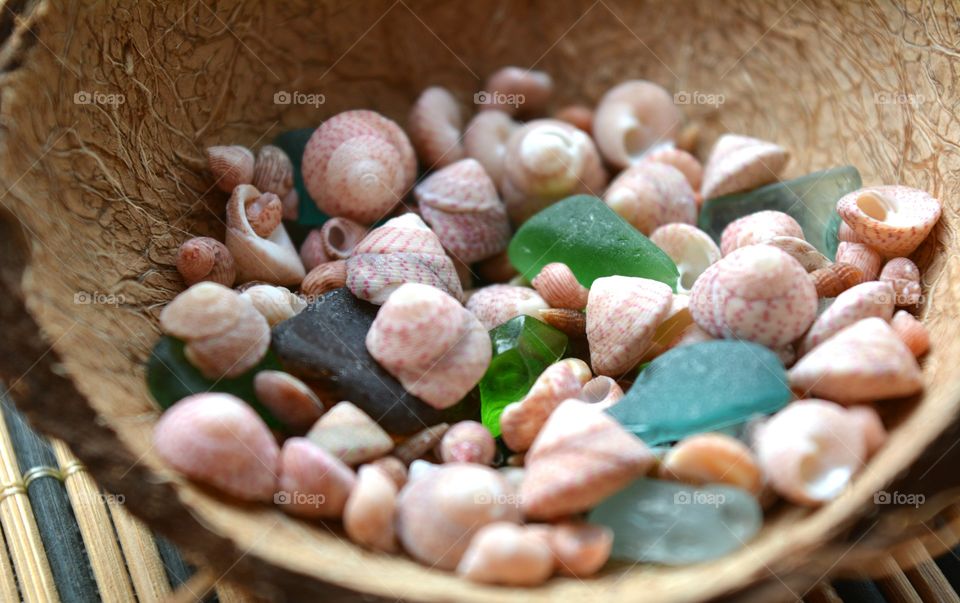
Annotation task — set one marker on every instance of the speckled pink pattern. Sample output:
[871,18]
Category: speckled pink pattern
[862,256]
[496,304]
[862,301]
[904,276]
[740,163]
[758,228]
[651,194]
[758,293]
[623,314]
[910,214]
[682,160]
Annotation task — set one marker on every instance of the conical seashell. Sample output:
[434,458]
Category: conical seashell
[494,305]
[866,419]
[740,163]
[622,316]
[350,434]
[558,286]
[420,443]
[572,322]
[864,362]
[912,332]
[757,293]
[873,298]
[231,166]
[460,203]
[688,165]
[835,279]
[580,457]
[206,259]
[579,549]
[324,277]
[288,399]
[369,513]
[631,118]
[339,237]
[650,194]
[691,249]
[894,219]
[275,303]
[904,276]
[547,160]
[756,228]
[579,116]
[313,482]
[273,171]
[603,392]
[467,442]
[677,321]
[435,124]
[496,269]
[218,440]
[403,250]
[862,256]
[435,347]
[521,421]
[800,250]
[516,90]
[507,554]
[485,139]
[439,512]
[394,468]
[273,259]
[810,451]
[713,458]
[359,165]
[312,252]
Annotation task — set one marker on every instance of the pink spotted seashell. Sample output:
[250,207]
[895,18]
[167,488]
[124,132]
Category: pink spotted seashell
[359,165]
[893,219]
[904,276]
[691,249]
[756,228]
[631,118]
[862,301]
[508,554]
[845,233]
[494,305]
[688,165]
[516,90]
[485,140]
[273,171]
[435,124]
[650,194]
[757,293]
[460,203]
[912,332]
[864,362]
[559,287]
[467,442]
[403,250]
[862,256]
[622,316]
[218,440]
[272,259]
[231,166]
[740,163]
[313,482]
[436,348]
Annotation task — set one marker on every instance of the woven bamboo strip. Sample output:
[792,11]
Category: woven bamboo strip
[895,585]
[8,580]
[140,549]
[195,589]
[98,535]
[228,593]
[926,577]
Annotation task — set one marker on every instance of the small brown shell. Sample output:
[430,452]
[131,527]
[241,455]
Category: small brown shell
[571,322]
[273,171]
[393,467]
[206,259]
[288,398]
[516,90]
[496,269]
[835,279]
[434,126]
[420,443]
[558,286]
[904,276]
[312,253]
[339,236]
[862,256]
[231,166]
[325,277]
[912,332]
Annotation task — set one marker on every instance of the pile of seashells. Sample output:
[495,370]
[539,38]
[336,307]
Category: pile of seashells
[511,509]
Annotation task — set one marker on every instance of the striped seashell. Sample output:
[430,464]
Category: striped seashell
[271,259]
[288,398]
[206,259]
[571,322]
[757,293]
[350,435]
[893,219]
[276,304]
[264,214]
[485,140]
[339,236]
[467,442]
[403,250]
[800,250]
[904,276]
[317,483]
[713,458]
[273,171]
[863,363]
[650,194]
[558,286]
[460,203]
[866,420]
[324,277]
[835,279]
[494,305]
[740,163]
[547,160]
[579,116]
[868,299]
[623,314]
[632,117]
[516,90]
[677,321]
[845,233]
[912,332]
[688,165]
[862,256]
[359,165]
[368,516]
[758,227]
[507,554]
[231,166]
[436,348]
[691,249]
[434,125]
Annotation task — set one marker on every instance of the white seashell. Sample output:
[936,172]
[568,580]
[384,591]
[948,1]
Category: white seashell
[350,434]
[631,118]
[691,249]
[494,305]
[273,259]
[276,304]
[650,194]
[435,124]
[740,163]
[508,554]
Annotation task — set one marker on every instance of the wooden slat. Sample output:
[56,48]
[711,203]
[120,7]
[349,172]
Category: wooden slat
[143,557]
[895,585]
[8,580]
[926,577]
[229,593]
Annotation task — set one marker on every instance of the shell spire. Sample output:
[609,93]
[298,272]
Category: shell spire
[272,259]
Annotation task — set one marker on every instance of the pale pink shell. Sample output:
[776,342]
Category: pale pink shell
[516,90]
[312,253]
[350,434]
[845,233]
[559,287]
[467,442]
[759,227]
[368,517]
[632,117]
[288,398]
[494,305]
[508,554]
[271,259]
[579,549]
[869,422]
[682,160]
[485,140]
[691,249]
[650,194]
[912,332]
[757,293]
[873,298]
[904,276]
[313,482]
[434,126]
[339,236]
[862,256]
[740,163]
[893,219]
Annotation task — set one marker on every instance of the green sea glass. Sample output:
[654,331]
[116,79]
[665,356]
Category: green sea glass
[702,387]
[590,238]
[293,143]
[811,200]
[523,347]
[672,523]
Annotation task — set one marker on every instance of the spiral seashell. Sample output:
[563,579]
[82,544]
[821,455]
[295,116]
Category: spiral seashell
[467,442]
[677,321]
[691,249]
[740,163]
[521,421]
[800,250]
[863,363]
[547,160]
[868,299]
[758,227]
[650,194]
[231,166]
[579,549]
[205,259]
[517,90]
[434,126]
[713,458]
[273,259]
[893,219]
[631,118]
[507,554]
[288,398]
[572,322]
[810,451]
[622,316]
[866,420]
[460,203]
[579,116]
[312,253]
[264,214]
[835,279]
[912,332]
[494,305]
[273,172]
[313,482]
[218,440]
[369,512]
[845,233]
[440,511]
[862,256]
[324,278]
[350,434]
[757,293]
[420,443]
[358,165]
[904,276]
[580,457]
[688,165]
[558,286]
[435,347]
[485,140]
[602,391]
[276,304]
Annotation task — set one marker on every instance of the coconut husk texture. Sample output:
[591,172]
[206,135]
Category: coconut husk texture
[105,112]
